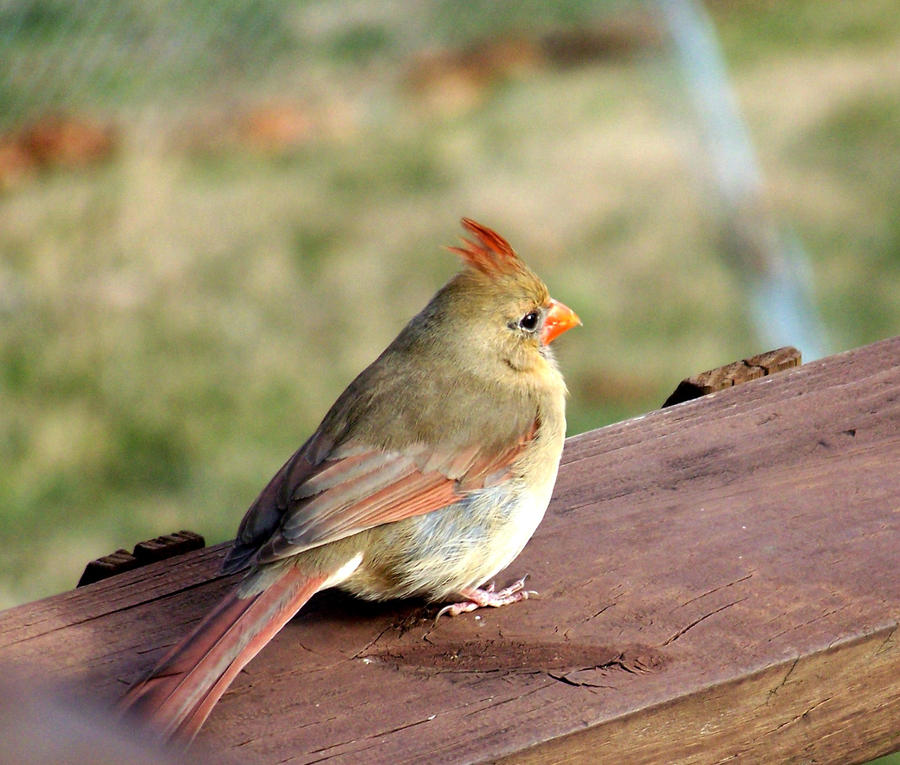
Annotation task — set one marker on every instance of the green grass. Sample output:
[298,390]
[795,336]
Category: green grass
[174,322]
[752,31]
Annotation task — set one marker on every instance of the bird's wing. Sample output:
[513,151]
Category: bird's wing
[309,504]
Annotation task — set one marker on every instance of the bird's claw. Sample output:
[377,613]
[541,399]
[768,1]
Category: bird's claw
[488,596]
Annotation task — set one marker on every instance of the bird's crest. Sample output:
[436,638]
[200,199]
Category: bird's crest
[491,253]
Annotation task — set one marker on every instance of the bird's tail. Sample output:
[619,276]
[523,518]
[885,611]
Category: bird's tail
[182,689]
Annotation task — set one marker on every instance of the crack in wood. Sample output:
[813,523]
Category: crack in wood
[784,680]
[884,645]
[797,718]
[373,641]
[597,613]
[815,619]
[371,736]
[702,618]
[716,589]
[629,665]
[491,703]
[329,756]
[615,665]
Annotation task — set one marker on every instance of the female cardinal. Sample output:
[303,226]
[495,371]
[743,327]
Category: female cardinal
[427,477]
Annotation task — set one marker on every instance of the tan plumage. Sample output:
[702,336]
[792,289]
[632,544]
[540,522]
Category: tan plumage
[428,475]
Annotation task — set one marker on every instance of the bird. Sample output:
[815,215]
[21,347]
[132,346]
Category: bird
[426,478]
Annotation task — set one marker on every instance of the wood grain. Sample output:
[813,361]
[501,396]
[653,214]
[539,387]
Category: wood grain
[718,580]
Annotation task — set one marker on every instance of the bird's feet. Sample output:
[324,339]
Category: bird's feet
[482,598]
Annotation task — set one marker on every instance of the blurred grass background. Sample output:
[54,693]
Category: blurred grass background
[214,214]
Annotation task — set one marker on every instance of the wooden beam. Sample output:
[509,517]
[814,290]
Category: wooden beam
[159,548]
[718,580]
[738,372]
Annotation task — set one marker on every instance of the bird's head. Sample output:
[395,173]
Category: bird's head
[501,306]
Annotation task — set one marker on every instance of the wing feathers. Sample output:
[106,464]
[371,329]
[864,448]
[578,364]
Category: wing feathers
[336,472]
[310,505]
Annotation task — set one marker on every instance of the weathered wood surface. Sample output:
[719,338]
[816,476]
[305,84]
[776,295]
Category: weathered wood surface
[149,551]
[737,372]
[720,581]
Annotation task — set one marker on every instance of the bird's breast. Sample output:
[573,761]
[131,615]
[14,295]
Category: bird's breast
[522,519]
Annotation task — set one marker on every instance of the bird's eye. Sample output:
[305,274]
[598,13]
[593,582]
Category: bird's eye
[529,321]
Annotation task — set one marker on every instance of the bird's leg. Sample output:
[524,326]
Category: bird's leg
[481,598]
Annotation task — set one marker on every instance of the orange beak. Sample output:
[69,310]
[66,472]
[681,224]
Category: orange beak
[559,318]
